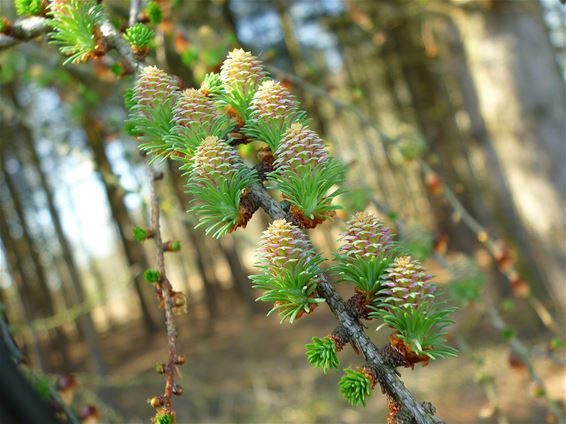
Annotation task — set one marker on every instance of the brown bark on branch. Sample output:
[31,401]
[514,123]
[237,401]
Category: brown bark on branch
[24,30]
[166,291]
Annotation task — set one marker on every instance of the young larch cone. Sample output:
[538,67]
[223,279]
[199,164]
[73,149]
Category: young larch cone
[272,100]
[285,250]
[194,109]
[282,245]
[154,87]
[366,236]
[242,70]
[214,158]
[300,146]
[406,283]
[218,181]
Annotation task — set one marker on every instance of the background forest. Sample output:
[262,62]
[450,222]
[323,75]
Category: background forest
[449,115]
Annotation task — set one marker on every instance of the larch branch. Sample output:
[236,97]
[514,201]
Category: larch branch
[24,30]
[387,377]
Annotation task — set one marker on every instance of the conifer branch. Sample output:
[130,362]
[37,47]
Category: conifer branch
[24,30]
[134,12]
[166,289]
[387,377]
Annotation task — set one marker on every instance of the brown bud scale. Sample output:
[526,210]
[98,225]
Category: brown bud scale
[248,206]
[305,222]
[340,337]
[405,350]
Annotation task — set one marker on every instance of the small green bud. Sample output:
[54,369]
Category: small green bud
[163,418]
[39,382]
[322,353]
[508,333]
[118,69]
[160,368]
[507,305]
[152,275]
[539,391]
[140,37]
[355,386]
[141,234]
[172,246]
[28,7]
[412,146]
[555,343]
[154,12]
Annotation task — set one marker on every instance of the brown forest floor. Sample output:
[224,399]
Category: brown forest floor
[254,370]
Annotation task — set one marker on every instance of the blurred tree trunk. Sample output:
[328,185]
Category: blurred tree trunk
[435,75]
[19,276]
[40,298]
[437,123]
[85,321]
[135,255]
[364,71]
[486,162]
[101,291]
[240,279]
[300,65]
[521,96]
[55,257]
[92,265]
